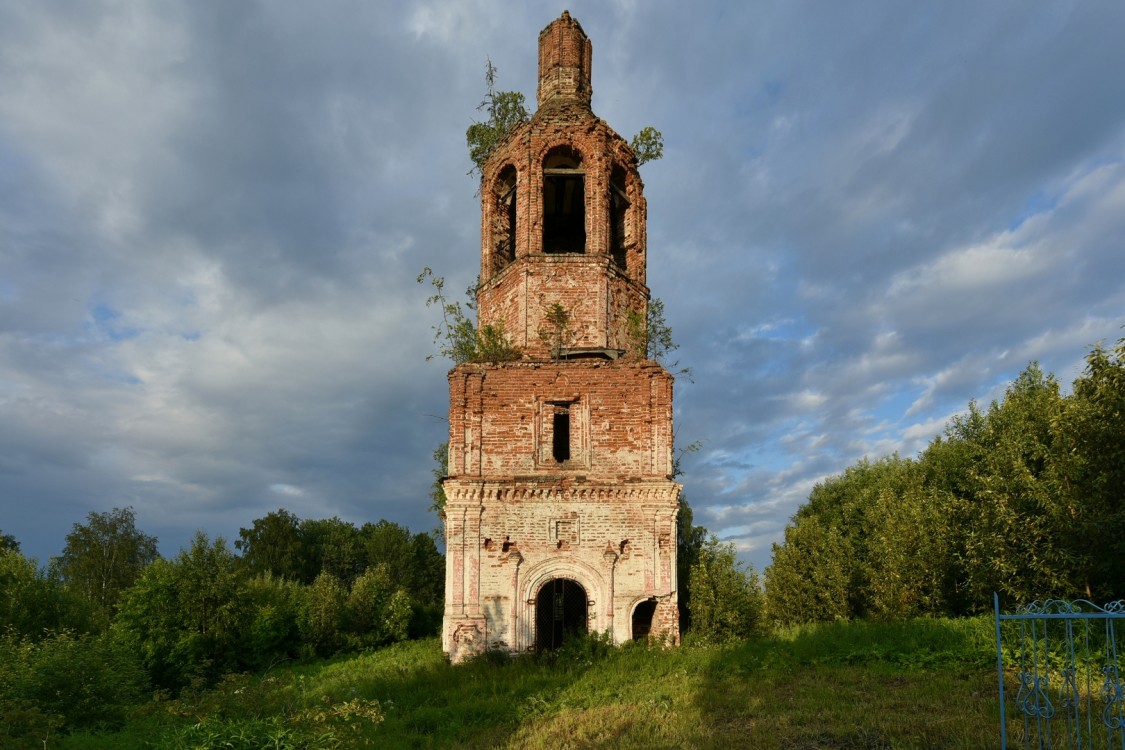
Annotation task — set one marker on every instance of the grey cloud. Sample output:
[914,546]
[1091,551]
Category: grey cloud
[251,190]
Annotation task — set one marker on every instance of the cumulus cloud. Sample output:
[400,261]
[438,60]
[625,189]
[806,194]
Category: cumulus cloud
[211,217]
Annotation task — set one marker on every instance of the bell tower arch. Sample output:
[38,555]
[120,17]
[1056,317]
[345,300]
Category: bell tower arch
[562,460]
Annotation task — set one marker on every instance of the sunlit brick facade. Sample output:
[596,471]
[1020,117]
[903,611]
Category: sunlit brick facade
[561,508]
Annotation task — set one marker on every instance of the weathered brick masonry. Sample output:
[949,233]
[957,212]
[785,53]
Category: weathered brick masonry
[561,509]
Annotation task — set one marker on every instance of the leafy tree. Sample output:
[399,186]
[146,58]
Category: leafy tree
[556,332]
[322,617]
[414,564]
[103,557]
[7,541]
[726,599]
[33,603]
[64,681]
[909,554]
[377,611]
[1094,472]
[412,561]
[273,544]
[271,632]
[505,111]
[336,546]
[846,505]
[185,616]
[428,587]
[387,545]
[1017,528]
[1022,498]
[808,579]
[648,145]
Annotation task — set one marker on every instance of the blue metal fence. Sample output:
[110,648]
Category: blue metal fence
[1063,656]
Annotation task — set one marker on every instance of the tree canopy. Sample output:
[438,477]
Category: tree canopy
[104,556]
[1022,498]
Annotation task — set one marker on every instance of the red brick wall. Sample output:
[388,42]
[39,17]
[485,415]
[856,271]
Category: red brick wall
[621,424]
[565,59]
[594,292]
[517,516]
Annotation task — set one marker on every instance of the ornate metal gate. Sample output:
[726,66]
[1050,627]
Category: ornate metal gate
[1063,656]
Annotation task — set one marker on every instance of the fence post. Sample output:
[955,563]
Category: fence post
[1000,672]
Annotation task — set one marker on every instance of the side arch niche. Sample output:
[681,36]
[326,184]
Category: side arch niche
[504,218]
[641,621]
[618,217]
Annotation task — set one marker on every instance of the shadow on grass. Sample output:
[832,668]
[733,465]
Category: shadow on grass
[424,702]
[428,703]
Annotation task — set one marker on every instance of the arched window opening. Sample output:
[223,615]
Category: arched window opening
[564,202]
[560,613]
[642,619]
[618,210]
[504,225]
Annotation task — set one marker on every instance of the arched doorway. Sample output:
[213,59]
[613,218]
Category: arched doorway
[560,613]
[642,619]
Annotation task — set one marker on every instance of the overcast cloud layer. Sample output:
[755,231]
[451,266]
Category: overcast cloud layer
[212,215]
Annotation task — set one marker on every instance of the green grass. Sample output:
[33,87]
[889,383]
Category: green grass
[923,684]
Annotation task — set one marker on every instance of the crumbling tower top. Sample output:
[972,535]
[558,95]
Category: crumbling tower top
[565,55]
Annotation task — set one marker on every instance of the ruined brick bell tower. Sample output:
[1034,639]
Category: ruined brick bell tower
[561,508]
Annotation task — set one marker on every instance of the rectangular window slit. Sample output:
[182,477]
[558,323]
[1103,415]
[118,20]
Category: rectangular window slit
[560,446]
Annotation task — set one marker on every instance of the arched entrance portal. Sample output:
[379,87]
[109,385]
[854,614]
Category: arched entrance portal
[560,612]
[642,619]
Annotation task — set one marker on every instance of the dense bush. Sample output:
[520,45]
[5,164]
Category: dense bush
[33,601]
[66,680]
[726,600]
[185,616]
[377,613]
[271,631]
[201,615]
[189,622]
[322,615]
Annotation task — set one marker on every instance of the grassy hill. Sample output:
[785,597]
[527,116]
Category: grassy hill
[922,684]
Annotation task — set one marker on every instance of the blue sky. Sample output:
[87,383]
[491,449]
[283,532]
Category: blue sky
[212,215]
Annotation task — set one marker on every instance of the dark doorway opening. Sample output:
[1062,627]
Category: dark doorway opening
[642,619]
[560,613]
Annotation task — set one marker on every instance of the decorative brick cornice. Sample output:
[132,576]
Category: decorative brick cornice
[462,492]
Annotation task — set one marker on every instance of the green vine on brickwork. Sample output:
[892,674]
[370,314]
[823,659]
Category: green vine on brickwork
[505,110]
[457,337]
[650,337]
[648,145]
[556,331]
